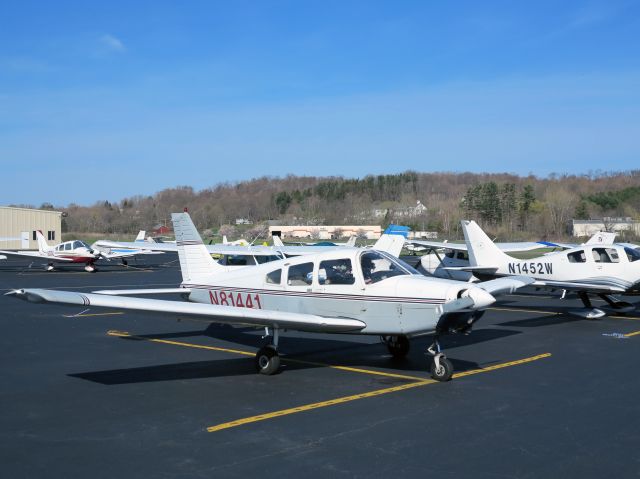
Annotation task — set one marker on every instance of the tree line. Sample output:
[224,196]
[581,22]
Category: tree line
[509,206]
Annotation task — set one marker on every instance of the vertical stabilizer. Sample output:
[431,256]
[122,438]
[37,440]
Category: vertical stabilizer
[43,246]
[277,241]
[351,242]
[482,251]
[391,243]
[140,236]
[195,260]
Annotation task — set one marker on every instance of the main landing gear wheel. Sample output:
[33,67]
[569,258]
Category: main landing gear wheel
[50,267]
[398,346]
[90,268]
[441,369]
[267,360]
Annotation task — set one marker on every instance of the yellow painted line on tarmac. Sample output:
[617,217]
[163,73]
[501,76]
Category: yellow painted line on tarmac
[355,397]
[629,335]
[633,318]
[317,405]
[124,334]
[518,310]
[502,365]
[92,314]
[355,370]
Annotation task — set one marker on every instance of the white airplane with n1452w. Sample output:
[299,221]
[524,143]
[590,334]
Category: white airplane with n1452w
[600,269]
[346,290]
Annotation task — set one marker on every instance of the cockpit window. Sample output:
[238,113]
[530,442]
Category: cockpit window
[377,266]
[300,274]
[605,255]
[577,257]
[274,277]
[462,255]
[632,254]
[68,246]
[449,253]
[336,271]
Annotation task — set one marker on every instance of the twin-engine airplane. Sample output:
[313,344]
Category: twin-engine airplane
[347,290]
[600,269]
[72,252]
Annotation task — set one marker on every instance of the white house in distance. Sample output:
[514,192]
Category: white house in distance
[584,228]
[326,232]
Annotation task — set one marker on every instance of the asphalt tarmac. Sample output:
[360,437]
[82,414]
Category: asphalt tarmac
[104,394]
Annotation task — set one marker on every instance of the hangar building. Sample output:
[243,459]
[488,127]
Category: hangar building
[18,227]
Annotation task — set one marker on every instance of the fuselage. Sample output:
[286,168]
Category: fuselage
[386,294]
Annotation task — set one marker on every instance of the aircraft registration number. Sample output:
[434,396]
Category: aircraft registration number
[237,300]
[531,268]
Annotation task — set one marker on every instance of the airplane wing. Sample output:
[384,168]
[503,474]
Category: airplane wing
[505,285]
[196,311]
[599,287]
[36,254]
[134,292]
[506,247]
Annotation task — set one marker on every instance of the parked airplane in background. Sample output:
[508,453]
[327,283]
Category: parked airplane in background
[601,269]
[240,242]
[277,241]
[345,290]
[449,263]
[70,252]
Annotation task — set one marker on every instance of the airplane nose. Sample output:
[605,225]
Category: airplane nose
[481,298]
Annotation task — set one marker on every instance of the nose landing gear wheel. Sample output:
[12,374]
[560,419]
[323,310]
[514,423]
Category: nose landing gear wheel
[441,369]
[267,360]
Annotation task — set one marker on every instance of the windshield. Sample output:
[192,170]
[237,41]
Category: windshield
[377,265]
[632,254]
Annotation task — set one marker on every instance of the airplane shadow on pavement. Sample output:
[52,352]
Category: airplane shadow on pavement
[297,353]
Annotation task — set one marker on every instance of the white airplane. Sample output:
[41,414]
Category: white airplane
[240,242]
[601,269]
[354,291]
[70,252]
[448,264]
[225,249]
[277,241]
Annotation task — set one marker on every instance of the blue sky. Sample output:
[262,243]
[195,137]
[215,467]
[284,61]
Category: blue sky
[109,100]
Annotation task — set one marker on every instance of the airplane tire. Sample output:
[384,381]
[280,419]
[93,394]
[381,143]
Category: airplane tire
[444,372]
[267,360]
[399,346]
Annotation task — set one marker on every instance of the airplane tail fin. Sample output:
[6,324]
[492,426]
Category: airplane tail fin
[391,243]
[195,260]
[482,251]
[224,239]
[43,246]
[140,236]
[277,241]
[351,242]
[603,237]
